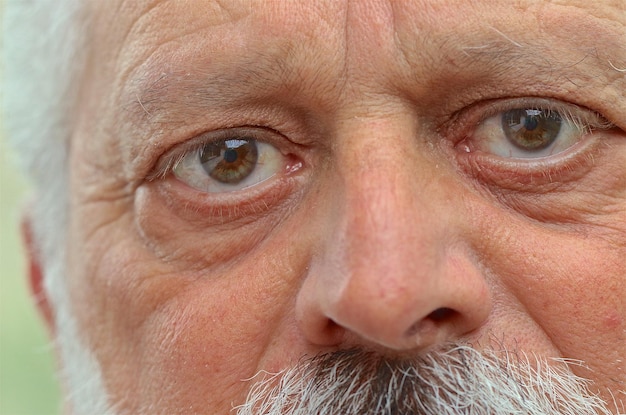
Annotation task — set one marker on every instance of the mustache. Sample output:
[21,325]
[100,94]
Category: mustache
[457,379]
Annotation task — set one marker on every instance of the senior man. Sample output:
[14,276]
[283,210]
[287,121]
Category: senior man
[324,206]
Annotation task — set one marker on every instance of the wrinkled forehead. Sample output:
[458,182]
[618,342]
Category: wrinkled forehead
[144,26]
[339,35]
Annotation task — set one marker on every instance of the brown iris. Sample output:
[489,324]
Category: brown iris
[230,161]
[531,129]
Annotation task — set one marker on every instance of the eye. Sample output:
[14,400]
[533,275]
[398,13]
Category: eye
[229,164]
[531,132]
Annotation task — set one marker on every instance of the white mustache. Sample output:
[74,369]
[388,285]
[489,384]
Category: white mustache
[456,380]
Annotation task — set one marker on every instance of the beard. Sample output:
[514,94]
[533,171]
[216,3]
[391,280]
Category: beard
[454,380]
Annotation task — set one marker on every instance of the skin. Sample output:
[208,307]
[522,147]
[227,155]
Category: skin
[388,208]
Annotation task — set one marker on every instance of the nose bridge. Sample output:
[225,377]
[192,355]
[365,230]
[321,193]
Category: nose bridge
[387,220]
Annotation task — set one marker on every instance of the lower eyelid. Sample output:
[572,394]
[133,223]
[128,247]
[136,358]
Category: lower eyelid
[524,175]
[210,209]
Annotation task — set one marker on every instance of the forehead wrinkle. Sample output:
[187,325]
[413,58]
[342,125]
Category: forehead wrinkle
[145,38]
[611,9]
[560,29]
[132,17]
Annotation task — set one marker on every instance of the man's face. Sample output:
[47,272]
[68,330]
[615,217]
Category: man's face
[254,183]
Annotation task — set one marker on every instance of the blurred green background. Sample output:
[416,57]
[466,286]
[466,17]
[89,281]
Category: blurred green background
[27,380]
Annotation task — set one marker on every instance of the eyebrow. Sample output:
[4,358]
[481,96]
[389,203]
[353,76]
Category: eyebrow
[264,75]
[253,77]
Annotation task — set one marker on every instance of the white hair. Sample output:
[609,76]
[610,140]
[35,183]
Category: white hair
[44,54]
[455,380]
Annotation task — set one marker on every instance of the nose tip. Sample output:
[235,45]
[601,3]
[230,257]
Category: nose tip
[397,313]
[414,318]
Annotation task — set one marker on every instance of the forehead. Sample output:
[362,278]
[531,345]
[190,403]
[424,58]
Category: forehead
[341,33]
[169,13]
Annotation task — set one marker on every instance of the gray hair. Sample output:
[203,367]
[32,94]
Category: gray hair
[44,55]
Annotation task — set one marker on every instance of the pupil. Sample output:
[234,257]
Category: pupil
[230,155]
[531,122]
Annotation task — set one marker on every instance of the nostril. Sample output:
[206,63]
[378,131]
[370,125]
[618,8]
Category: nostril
[432,320]
[441,314]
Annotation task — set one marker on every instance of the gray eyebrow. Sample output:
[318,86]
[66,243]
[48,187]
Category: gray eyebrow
[507,54]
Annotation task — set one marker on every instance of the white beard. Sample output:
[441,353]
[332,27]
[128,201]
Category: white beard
[457,380]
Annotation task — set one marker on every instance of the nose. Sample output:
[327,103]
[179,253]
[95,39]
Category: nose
[393,270]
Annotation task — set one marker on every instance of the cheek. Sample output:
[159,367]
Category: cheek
[573,286]
[204,343]
[176,329]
